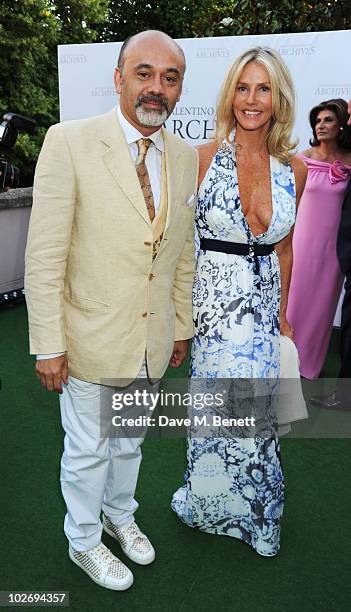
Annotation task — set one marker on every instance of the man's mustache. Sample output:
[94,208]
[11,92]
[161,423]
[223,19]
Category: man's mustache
[152,98]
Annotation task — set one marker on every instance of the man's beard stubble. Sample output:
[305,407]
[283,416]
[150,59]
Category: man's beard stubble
[151,117]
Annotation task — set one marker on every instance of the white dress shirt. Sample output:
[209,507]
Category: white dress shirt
[153,162]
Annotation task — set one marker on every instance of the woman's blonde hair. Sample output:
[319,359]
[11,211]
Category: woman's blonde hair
[283,101]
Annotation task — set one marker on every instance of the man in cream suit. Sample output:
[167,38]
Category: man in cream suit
[109,272]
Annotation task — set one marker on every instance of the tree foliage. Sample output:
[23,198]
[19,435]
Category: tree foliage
[225,18]
[185,19]
[282,16]
[30,31]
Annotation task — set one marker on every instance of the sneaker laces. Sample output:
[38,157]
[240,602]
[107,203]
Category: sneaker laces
[102,553]
[140,543]
[115,567]
[134,531]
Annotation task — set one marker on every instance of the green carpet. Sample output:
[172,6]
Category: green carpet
[193,571]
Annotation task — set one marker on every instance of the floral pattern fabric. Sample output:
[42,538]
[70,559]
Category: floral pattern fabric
[234,486]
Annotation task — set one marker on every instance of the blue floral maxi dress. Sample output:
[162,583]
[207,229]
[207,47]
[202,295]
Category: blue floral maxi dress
[235,486]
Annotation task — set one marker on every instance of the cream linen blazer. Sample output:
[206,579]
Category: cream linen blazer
[92,288]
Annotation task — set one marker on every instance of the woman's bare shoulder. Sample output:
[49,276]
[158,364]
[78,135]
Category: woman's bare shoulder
[206,154]
[298,165]
[306,153]
[207,150]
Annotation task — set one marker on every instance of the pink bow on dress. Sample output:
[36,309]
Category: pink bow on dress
[339,172]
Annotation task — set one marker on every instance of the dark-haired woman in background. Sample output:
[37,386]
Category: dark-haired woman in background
[316,276]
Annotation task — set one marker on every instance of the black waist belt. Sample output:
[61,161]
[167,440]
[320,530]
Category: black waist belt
[236,248]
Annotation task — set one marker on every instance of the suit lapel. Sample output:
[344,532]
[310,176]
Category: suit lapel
[119,163]
[174,171]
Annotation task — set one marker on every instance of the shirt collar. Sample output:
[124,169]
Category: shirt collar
[132,134]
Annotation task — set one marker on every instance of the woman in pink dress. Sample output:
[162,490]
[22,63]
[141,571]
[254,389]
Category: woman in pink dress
[316,276]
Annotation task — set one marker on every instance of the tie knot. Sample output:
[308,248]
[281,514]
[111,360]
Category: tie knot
[143,146]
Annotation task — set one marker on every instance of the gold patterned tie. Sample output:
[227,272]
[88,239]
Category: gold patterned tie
[143,175]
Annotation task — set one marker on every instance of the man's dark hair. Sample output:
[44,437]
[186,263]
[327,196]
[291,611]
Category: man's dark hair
[122,51]
[121,57]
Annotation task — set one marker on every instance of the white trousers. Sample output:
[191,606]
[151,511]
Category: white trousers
[96,473]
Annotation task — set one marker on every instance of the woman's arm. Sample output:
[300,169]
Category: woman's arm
[284,249]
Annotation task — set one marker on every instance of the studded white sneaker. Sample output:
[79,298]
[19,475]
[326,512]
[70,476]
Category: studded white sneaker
[133,542]
[103,567]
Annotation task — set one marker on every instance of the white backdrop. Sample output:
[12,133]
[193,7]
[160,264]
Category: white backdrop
[316,61]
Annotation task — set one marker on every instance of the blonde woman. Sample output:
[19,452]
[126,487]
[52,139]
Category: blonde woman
[249,187]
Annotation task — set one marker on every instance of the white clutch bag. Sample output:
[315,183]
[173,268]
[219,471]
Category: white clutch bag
[291,404]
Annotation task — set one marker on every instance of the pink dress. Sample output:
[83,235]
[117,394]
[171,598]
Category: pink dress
[316,277]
